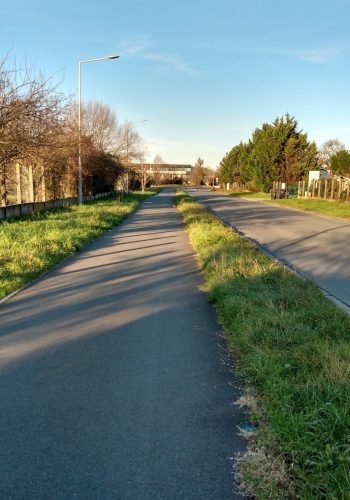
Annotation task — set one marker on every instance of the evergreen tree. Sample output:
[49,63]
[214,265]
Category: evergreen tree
[340,163]
[229,168]
[277,151]
[199,162]
[234,167]
[245,165]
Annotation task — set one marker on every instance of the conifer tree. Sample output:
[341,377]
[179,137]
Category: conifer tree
[277,151]
[340,163]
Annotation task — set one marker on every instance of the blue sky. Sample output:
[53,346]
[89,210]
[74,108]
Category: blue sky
[203,73]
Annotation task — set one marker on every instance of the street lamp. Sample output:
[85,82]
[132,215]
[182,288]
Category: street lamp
[127,153]
[80,170]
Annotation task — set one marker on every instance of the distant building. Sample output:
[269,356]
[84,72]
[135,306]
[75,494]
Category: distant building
[165,171]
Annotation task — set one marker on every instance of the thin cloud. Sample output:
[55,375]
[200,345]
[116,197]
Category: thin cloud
[321,55]
[143,48]
[170,62]
[137,47]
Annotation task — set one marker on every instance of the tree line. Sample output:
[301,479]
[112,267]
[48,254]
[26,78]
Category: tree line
[280,151]
[39,140]
[277,151]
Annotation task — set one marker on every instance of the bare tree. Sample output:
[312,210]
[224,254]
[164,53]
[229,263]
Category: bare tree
[209,176]
[99,123]
[157,167]
[198,173]
[158,160]
[328,149]
[129,145]
[143,175]
[30,117]
[99,137]
[130,149]
[39,140]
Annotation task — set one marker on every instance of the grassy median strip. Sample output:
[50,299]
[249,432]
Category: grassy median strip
[292,346]
[331,208]
[244,194]
[247,194]
[30,246]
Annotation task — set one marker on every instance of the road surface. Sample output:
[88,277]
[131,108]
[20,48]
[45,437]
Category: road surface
[114,382]
[315,246]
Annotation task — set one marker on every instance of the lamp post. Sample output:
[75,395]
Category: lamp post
[127,153]
[80,170]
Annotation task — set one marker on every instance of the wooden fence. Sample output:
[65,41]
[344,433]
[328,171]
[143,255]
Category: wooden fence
[326,189]
[10,211]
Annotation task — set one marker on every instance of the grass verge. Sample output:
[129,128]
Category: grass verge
[32,245]
[245,194]
[292,348]
[333,209]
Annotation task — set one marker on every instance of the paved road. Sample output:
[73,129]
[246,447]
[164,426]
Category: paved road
[112,376]
[316,246]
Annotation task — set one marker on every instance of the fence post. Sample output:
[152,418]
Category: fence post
[339,190]
[43,184]
[332,190]
[313,190]
[3,191]
[319,189]
[18,183]
[30,182]
[347,192]
[325,189]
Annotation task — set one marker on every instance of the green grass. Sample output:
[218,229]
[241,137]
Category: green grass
[31,245]
[324,207]
[292,348]
[246,194]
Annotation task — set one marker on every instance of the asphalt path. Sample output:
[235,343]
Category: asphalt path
[114,380]
[315,246]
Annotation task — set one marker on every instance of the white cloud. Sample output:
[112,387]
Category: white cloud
[171,62]
[137,46]
[144,48]
[316,55]
[321,55]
